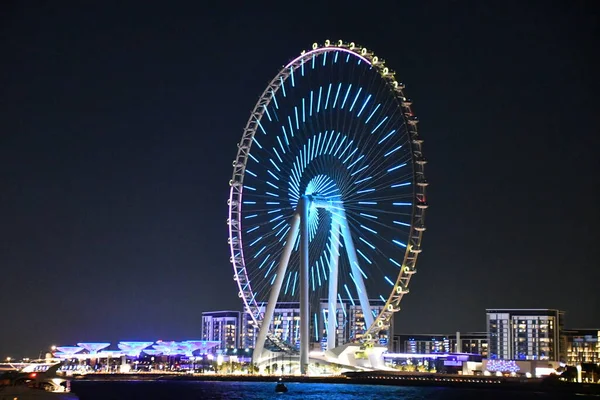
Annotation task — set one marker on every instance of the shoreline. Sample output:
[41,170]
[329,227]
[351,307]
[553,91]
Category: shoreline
[369,378]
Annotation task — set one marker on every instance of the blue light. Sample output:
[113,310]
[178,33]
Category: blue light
[395,262]
[275,165]
[355,161]
[295,279]
[342,304]
[318,272]
[272,203]
[396,167]
[272,174]
[402,204]
[282,85]
[387,136]
[336,95]
[251,173]
[368,202]
[292,74]
[363,180]
[273,280]
[355,98]
[365,191]
[323,267]
[368,215]
[275,100]
[348,58]
[270,268]
[373,113]
[319,100]
[274,211]
[285,135]
[311,104]
[261,127]
[287,282]
[313,61]
[400,184]
[361,271]
[378,125]
[327,99]
[280,144]
[303,110]
[267,111]
[389,280]
[350,155]
[260,251]
[335,141]
[347,147]
[276,226]
[401,223]
[256,141]
[316,325]
[312,272]
[392,151]
[349,295]
[363,106]
[249,202]
[355,283]
[254,158]
[346,96]
[290,123]
[368,244]
[250,187]
[369,229]
[302,67]
[277,154]
[256,241]
[335,58]
[297,122]
[399,243]
[272,194]
[382,299]
[340,146]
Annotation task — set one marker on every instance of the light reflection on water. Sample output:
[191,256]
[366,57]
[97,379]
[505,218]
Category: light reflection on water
[297,391]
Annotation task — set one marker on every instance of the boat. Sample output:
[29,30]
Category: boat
[46,385]
[281,388]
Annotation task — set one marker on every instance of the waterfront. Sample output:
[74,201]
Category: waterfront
[157,390]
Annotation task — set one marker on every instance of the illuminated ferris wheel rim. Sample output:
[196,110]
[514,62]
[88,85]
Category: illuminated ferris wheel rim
[419,204]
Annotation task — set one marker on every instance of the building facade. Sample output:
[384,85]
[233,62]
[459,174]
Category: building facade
[350,322]
[223,327]
[582,346]
[525,334]
[459,342]
[285,325]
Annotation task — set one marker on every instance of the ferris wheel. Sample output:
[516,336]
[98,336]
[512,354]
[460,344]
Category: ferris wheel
[327,198]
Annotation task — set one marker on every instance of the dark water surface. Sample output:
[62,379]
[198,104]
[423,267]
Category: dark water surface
[297,391]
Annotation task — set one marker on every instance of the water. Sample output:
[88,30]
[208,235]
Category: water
[297,391]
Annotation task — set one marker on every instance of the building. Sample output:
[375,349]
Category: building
[525,334]
[223,327]
[285,325]
[459,342]
[582,346]
[350,321]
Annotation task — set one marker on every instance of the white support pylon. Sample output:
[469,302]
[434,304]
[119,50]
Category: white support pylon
[303,209]
[276,289]
[356,273]
[333,282]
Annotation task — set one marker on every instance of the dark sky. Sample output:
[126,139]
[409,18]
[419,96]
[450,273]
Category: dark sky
[119,123]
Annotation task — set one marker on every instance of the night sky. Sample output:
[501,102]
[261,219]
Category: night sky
[119,123]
